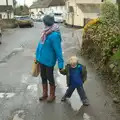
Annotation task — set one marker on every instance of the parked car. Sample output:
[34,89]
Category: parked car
[0,36]
[25,21]
[58,17]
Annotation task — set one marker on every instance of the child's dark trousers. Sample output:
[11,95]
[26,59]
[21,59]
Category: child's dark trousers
[80,91]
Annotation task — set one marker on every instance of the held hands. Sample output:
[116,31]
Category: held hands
[61,70]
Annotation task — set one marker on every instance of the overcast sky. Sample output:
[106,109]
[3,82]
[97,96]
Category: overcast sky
[27,2]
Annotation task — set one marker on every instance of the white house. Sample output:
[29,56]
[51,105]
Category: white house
[79,11]
[6,9]
[46,7]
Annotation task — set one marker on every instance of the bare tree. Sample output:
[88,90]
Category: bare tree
[14,3]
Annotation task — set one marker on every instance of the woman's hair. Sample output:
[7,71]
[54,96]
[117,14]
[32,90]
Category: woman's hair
[73,59]
[48,20]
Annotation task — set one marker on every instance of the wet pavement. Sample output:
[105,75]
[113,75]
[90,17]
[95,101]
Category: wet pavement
[19,91]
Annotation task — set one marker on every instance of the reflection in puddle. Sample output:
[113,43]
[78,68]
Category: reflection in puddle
[25,79]
[7,95]
[86,116]
[33,89]
[19,115]
[2,95]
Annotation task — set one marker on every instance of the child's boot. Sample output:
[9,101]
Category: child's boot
[86,102]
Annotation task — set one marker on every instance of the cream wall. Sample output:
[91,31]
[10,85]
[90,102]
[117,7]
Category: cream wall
[3,2]
[76,18]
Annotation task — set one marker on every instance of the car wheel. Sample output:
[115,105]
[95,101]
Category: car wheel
[31,26]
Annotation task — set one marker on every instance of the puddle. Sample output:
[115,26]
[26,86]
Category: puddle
[13,53]
[29,53]
[7,95]
[2,95]
[2,64]
[32,87]
[25,78]
[19,115]
[86,116]
[18,49]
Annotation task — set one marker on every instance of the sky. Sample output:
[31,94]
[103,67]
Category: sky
[27,2]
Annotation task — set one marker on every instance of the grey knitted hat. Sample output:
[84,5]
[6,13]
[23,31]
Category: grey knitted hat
[48,20]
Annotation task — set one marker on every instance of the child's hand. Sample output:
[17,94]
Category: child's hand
[61,70]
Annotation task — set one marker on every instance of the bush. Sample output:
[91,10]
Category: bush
[101,43]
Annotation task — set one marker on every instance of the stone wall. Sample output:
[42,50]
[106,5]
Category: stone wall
[8,23]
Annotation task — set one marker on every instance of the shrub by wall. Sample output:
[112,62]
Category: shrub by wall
[101,44]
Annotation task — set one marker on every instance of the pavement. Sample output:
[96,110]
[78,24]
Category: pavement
[19,91]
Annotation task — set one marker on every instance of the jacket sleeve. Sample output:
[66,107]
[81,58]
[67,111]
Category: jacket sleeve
[56,38]
[84,73]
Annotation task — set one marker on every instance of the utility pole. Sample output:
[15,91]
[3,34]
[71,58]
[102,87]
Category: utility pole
[7,9]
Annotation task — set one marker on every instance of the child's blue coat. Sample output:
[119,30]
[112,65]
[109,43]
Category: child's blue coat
[76,76]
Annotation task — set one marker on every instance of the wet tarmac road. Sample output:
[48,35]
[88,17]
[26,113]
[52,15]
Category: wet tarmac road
[19,91]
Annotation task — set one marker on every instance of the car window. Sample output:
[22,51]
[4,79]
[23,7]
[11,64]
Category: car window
[57,14]
[25,18]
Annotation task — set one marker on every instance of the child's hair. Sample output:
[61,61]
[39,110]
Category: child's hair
[73,60]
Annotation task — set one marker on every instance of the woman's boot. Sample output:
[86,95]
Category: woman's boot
[45,92]
[51,98]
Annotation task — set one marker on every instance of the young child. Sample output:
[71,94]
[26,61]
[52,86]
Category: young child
[76,75]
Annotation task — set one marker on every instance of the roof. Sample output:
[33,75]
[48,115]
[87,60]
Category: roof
[57,3]
[4,8]
[47,3]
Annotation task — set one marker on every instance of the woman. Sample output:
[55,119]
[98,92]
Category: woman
[48,52]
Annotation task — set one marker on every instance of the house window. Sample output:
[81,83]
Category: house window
[70,9]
